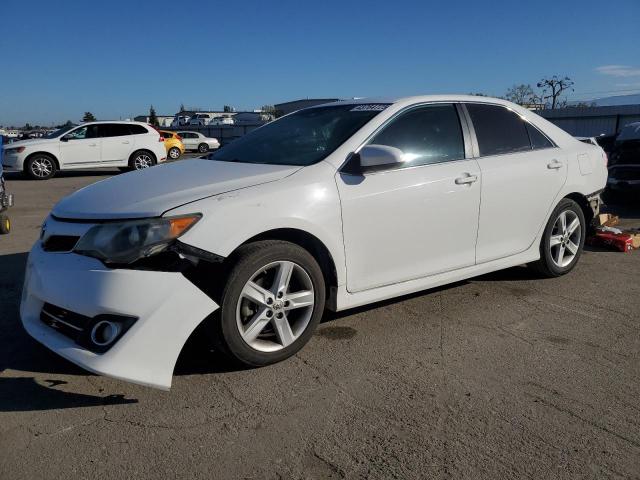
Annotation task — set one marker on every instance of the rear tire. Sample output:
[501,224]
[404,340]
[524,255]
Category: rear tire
[5,224]
[203,148]
[141,159]
[174,153]
[282,323]
[563,240]
[40,167]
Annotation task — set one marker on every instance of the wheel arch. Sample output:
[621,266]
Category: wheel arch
[143,150]
[584,205]
[313,245]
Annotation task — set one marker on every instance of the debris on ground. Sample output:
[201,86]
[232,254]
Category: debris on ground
[607,235]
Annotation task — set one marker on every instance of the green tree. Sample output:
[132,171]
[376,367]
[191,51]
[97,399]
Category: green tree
[228,109]
[153,118]
[27,126]
[182,107]
[88,117]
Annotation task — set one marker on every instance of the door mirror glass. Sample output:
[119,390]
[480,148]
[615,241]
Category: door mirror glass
[380,157]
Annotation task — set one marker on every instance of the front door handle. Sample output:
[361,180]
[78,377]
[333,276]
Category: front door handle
[126,142]
[554,165]
[93,144]
[467,179]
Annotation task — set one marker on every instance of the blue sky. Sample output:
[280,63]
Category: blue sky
[116,58]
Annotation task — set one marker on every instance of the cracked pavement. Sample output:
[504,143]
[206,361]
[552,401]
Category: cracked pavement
[502,376]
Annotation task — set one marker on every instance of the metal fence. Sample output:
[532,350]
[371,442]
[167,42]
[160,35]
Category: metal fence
[592,121]
[224,133]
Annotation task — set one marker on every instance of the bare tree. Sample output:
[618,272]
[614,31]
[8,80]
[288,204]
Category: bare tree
[553,87]
[522,94]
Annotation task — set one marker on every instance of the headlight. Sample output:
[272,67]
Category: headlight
[126,242]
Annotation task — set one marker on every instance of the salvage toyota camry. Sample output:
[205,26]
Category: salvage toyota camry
[333,206]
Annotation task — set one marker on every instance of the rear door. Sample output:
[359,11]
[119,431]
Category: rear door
[522,173]
[117,143]
[417,220]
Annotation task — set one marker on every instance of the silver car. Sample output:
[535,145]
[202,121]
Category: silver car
[197,141]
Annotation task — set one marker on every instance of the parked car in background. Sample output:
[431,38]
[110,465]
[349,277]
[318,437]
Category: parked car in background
[225,120]
[197,141]
[173,144]
[201,119]
[180,121]
[338,205]
[6,199]
[132,145]
[624,164]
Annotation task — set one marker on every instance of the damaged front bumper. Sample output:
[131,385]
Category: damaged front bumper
[76,291]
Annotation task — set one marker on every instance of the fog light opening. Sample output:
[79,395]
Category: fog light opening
[104,332]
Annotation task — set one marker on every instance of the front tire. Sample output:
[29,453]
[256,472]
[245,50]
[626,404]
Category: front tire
[563,240]
[5,225]
[271,303]
[40,167]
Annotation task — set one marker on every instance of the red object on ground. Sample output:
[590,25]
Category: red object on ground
[619,241]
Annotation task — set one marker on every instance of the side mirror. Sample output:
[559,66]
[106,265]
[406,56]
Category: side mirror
[379,157]
[65,138]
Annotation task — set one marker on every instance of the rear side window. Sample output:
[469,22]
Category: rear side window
[538,140]
[498,130]
[137,130]
[113,129]
[426,135]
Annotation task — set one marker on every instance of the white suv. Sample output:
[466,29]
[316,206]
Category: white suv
[132,145]
[333,206]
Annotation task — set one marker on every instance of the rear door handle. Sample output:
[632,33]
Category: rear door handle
[467,179]
[93,144]
[554,165]
[126,142]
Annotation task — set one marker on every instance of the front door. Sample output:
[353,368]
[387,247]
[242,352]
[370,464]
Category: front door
[81,148]
[418,220]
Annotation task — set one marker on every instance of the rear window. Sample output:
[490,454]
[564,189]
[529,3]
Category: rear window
[137,129]
[538,140]
[498,129]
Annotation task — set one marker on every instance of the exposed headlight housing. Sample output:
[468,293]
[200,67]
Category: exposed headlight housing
[128,241]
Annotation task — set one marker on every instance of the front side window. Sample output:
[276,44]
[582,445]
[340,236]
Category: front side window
[301,138]
[89,131]
[498,129]
[429,134]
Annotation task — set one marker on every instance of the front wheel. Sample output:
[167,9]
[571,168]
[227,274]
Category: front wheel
[271,303]
[563,240]
[40,167]
[5,224]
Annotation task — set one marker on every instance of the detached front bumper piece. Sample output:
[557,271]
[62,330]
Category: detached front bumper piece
[72,304]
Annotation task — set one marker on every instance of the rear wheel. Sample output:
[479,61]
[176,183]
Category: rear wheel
[141,160]
[203,148]
[40,167]
[562,241]
[272,301]
[174,153]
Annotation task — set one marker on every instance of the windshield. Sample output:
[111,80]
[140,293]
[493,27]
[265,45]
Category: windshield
[59,132]
[302,138]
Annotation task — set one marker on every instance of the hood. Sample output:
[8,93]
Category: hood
[153,191]
[29,142]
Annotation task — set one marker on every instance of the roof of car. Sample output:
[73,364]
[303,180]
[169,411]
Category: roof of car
[419,99]
[114,121]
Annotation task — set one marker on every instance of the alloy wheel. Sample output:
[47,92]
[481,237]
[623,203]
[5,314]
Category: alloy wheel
[564,242]
[174,153]
[275,306]
[142,161]
[42,167]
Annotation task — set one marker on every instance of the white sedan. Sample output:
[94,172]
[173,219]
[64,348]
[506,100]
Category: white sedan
[333,206]
[198,142]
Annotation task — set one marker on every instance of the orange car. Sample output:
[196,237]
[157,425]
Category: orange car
[173,144]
